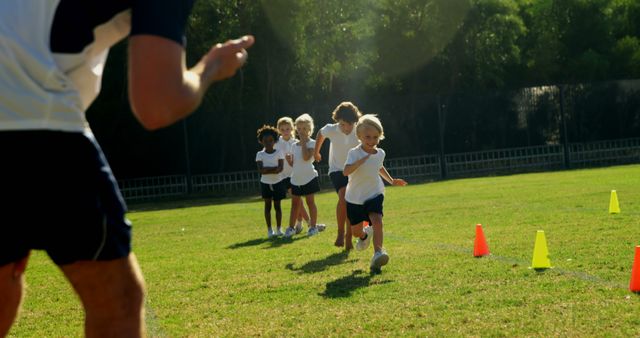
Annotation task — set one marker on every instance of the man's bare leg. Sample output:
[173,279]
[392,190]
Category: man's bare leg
[112,293]
[11,287]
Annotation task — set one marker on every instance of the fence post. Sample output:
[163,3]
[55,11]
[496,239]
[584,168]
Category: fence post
[565,135]
[441,126]
[186,156]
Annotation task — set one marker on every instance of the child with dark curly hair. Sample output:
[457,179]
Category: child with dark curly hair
[270,162]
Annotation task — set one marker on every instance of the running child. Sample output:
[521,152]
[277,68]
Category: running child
[304,177]
[270,162]
[365,190]
[285,145]
[343,137]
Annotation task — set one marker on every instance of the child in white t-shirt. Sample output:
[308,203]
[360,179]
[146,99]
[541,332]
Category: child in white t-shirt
[285,145]
[342,136]
[365,190]
[304,177]
[270,162]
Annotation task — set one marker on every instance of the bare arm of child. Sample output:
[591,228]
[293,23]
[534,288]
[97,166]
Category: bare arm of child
[319,141]
[270,170]
[289,158]
[307,152]
[350,168]
[393,181]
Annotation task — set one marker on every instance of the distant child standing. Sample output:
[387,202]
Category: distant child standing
[270,162]
[342,136]
[285,145]
[365,190]
[304,177]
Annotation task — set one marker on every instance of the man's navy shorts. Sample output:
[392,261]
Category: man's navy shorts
[59,196]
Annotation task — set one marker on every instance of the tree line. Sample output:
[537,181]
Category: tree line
[442,74]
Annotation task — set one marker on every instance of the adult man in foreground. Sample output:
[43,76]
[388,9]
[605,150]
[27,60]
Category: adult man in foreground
[62,196]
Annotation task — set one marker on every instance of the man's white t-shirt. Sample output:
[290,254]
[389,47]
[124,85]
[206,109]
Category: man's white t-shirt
[270,160]
[303,171]
[340,145]
[52,54]
[286,147]
[365,183]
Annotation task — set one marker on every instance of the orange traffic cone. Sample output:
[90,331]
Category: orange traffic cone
[480,248]
[634,284]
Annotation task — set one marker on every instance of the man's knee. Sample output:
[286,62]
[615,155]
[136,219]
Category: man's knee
[110,288]
[11,286]
[127,295]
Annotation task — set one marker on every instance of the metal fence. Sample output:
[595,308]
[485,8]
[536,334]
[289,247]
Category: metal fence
[625,151]
[140,189]
[505,161]
[416,168]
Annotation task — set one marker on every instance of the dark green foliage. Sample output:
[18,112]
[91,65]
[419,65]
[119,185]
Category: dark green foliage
[401,59]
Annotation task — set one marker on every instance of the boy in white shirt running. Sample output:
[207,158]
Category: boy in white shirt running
[270,162]
[285,145]
[304,177]
[343,137]
[365,190]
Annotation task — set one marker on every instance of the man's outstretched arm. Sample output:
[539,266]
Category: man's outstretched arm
[162,90]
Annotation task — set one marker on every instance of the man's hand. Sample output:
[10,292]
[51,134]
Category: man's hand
[224,59]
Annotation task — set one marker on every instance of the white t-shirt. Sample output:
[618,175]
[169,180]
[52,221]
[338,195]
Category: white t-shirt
[286,147]
[340,145]
[270,160]
[52,54]
[365,183]
[303,171]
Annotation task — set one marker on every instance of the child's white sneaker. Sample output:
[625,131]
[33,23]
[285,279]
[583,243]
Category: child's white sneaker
[289,232]
[298,227]
[363,244]
[321,227]
[270,233]
[312,231]
[279,232]
[379,259]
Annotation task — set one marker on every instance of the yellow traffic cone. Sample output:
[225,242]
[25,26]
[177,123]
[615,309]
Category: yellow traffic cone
[540,253]
[614,207]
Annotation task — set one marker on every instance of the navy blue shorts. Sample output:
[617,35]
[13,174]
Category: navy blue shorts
[59,196]
[360,212]
[303,190]
[287,182]
[339,180]
[275,192]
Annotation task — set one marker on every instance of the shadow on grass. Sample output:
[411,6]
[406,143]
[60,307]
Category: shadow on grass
[274,242]
[280,241]
[192,201]
[321,264]
[251,242]
[343,287]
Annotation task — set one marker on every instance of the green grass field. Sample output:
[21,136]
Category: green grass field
[210,271]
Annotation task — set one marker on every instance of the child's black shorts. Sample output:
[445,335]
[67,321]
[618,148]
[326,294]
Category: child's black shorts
[275,192]
[287,182]
[360,212]
[310,188]
[338,179]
